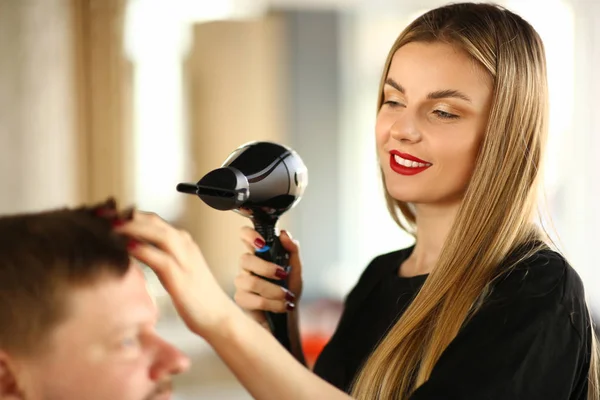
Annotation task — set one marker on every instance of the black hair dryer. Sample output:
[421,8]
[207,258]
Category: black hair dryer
[261,181]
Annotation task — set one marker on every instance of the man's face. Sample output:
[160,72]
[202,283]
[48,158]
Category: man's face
[106,349]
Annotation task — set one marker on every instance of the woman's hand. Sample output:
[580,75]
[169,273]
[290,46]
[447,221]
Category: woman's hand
[179,264]
[261,364]
[256,295]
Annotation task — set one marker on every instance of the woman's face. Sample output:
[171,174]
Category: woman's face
[436,103]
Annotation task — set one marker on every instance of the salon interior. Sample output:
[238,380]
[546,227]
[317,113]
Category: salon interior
[130,97]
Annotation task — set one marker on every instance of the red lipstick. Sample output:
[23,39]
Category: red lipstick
[403,169]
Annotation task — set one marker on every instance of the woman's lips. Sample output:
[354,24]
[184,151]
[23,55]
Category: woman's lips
[406,164]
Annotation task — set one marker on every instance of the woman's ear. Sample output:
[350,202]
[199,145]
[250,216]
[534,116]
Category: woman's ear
[9,388]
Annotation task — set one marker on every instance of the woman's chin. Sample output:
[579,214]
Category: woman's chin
[406,196]
[419,198]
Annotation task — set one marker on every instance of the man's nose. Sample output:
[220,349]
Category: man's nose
[169,361]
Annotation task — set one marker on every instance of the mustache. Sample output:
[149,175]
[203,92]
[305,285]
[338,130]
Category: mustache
[162,387]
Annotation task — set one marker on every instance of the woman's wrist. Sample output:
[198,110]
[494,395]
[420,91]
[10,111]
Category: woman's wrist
[221,324]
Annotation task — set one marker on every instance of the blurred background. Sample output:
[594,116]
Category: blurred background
[130,97]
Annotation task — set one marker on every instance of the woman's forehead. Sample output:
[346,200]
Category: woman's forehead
[425,67]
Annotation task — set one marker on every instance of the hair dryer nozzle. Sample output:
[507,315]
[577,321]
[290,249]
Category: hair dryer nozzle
[189,188]
[222,189]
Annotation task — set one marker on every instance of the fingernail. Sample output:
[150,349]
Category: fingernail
[111,203]
[289,296]
[259,243]
[103,212]
[127,214]
[280,273]
[287,233]
[290,306]
[117,222]
[132,244]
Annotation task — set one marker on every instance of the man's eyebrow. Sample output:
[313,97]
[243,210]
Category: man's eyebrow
[136,322]
[438,94]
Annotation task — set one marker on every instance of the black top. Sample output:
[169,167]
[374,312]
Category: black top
[530,340]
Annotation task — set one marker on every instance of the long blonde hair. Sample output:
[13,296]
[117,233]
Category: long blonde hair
[497,211]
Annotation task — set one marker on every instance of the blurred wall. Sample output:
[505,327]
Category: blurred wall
[62,114]
[236,94]
[103,93]
[38,137]
[314,104]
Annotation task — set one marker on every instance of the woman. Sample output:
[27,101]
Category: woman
[479,307]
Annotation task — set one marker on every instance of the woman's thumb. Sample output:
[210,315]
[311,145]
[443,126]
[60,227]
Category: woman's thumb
[293,248]
[288,242]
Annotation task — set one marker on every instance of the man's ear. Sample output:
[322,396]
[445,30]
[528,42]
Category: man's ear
[9,387]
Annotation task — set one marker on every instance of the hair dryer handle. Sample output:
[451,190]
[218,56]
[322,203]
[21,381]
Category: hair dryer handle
[274,252]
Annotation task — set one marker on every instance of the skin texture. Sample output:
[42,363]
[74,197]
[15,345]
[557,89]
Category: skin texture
[446,132]
[105,349]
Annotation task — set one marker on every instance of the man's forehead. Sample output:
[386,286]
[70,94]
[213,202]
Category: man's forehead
[112,301]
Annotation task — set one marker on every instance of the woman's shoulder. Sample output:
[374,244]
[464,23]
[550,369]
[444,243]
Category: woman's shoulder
[545,283]
[545,274]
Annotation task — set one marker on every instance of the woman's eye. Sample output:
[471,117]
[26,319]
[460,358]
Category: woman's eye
[445,115]
[392,103]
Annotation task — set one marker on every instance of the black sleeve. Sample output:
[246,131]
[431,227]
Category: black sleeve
[528,342]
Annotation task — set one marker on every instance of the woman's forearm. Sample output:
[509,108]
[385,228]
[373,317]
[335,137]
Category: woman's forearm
[263,366]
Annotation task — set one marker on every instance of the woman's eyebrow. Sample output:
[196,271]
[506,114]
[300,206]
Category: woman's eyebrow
[438,94]
[395,85]
[443,94]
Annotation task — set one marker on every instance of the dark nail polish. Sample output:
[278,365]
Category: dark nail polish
[259,243]
[280,273]
[132,244]
[117,223]
[290,306]
[289,296]
[103,212]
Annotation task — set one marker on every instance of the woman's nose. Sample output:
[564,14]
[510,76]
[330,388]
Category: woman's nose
[404,127]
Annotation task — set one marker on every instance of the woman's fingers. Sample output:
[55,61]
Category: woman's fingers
[258,266]
[252,239]
[162,263]
[150,228]
[246,282]
[251,301]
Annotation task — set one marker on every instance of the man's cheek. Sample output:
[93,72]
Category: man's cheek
[129,380]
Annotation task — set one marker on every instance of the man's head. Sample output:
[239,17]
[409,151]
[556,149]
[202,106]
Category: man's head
[76,319]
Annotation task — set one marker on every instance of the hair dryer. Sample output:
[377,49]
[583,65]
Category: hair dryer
[261,181]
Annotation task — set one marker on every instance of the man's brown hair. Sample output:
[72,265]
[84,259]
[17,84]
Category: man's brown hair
[42,256]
